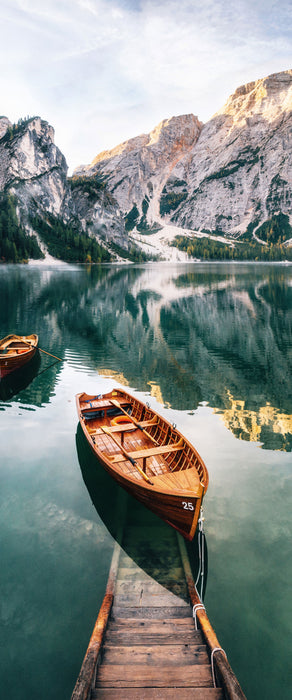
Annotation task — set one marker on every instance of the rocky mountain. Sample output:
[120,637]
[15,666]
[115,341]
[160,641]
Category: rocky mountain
[34,171]
[232,172]
[228,177]
[239,172]
[31,166]
[136,171]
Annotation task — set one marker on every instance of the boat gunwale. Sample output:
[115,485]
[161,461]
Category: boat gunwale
[32,344]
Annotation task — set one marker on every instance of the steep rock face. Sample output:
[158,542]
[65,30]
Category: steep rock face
[95,211]
[4,125]
[34,170]
[137,170]
[239,171]
[32,167]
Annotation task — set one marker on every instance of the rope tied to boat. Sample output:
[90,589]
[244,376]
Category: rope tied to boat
[212,662]
[201,546]
[198,606]
[201,569]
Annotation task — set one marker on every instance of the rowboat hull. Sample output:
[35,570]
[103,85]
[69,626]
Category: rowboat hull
[172,484]
[16,351]
[17,381]
[169,507]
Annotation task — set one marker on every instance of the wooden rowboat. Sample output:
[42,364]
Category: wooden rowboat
[16,351]
[146,455]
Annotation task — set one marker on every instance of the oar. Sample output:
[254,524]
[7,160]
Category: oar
[108,432]
[49,353]
[118,405]
[46,369]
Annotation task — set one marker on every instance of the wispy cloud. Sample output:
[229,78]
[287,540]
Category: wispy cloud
[104,70]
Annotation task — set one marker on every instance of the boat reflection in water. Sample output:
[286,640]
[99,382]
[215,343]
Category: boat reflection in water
[144,537]
[16,381]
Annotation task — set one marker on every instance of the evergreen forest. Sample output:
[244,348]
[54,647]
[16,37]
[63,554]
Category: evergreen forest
[65,242]
[16,246]
[209,249]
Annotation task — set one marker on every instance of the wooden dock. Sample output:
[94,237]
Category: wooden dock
[145,643]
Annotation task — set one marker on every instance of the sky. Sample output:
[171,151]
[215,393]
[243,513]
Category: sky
[103,71]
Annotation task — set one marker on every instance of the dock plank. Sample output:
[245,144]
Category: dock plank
[134,638]
[150,612]
[155,694]
[144,675]
[137,574]
[165,627]
[155,654]
[175,592]
[145,598]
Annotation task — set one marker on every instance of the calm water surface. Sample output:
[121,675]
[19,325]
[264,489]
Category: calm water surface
[210,347]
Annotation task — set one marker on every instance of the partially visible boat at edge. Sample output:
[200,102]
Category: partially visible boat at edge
[146,455]
[16,351]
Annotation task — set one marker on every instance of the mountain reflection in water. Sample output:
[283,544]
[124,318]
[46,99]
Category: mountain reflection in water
[219,334]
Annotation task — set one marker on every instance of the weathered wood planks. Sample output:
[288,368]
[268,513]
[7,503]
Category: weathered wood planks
[124,651]
[156,694]
[141,675]
[151,644]
[151,648]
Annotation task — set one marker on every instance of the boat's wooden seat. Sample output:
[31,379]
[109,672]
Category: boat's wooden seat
[123,427]
[113,429]
[14,351]
[93,406]
[148,452]
[100,403]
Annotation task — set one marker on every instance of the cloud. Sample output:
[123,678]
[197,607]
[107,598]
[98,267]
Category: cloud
[104,70]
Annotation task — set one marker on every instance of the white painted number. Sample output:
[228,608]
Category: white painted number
[187,506]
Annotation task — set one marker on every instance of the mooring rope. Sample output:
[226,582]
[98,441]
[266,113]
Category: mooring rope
[201,545]
[198,606]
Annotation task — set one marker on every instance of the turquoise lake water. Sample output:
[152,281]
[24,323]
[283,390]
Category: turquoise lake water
[210,347]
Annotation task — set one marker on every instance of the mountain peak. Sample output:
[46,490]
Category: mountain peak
[122,149]
[186,125]
[175,133]
[266,96]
